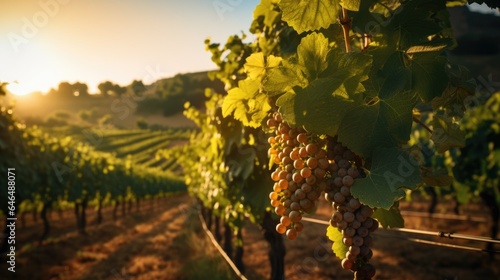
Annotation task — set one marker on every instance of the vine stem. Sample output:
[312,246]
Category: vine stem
[422,124]
[345,21]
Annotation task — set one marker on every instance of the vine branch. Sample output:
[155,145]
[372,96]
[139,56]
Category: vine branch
[345,21]
[415,119]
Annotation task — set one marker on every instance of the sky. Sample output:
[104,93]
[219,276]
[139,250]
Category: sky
[44,42]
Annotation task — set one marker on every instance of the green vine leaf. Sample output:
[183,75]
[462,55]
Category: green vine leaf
[311,60]
[312,54]
[446,135]
[413,23]
[286,105]
[436,177]
[430,77]
[307,15]
[256,65]
[266,9]
[339,249]
[351,5]
[389,218]
[391,169]
[246,103]
[321,106]
[283,78]
[384,124]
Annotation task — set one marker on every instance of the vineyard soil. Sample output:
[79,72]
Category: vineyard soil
[164,241]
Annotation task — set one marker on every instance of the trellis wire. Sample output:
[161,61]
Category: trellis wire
[219,248]
[431,233]
[444,216]
[437,243]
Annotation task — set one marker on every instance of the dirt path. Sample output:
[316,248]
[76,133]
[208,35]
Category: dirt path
[140,246]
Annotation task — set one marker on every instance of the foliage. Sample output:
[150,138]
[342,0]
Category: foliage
[109,88]
[62,169]
[362,71]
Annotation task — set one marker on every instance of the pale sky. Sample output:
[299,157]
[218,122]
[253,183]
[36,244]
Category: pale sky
[43,42]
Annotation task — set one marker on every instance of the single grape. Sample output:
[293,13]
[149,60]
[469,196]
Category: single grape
[285,221]
[295,216]
[349,217]
[349,231]
[280,228]
[312,163]
[362,231]
[347,264]
[298,226]
[347,180]
[291,234]
[357,240]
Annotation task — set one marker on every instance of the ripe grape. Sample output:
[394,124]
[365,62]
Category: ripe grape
[300,174]
[350,216]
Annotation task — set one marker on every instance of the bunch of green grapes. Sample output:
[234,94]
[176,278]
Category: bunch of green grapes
[350,216]
[300,175]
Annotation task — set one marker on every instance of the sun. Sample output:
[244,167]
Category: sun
[20,88]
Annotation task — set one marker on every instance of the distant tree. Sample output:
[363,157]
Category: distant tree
[109,88]
[137,87]
[118,90]
[3,89]
[81,88]
[65,89]
[105,88]
[142,124]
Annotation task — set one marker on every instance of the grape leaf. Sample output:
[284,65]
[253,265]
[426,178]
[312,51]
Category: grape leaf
[286,104]
[247,103]
[339,249]
[311,60]
[312,53]
[433,46]
[391,169]
[307,15]
[283,78]
[413,23]
[394,77]
[318,107]
[266,9]
[446,135]
[389,218]
[436,177]
[384,124]
[256,65]
[321,106]
[429,75]
[455,3]
[351,5]
[240,162]
[453,99]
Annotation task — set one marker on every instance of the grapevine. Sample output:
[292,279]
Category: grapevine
[341,85]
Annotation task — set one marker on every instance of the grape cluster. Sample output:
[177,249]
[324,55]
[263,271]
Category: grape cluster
[300,175]
[350,216]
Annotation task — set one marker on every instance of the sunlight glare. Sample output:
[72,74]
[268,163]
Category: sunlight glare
[21,88]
